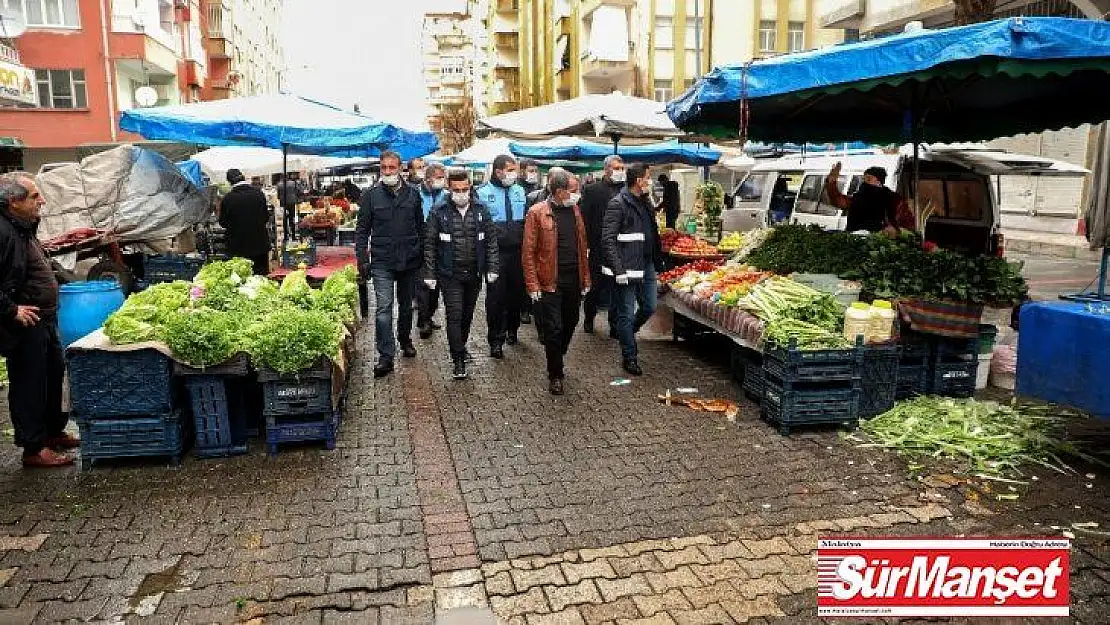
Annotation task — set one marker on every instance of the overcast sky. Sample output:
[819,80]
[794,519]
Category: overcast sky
[364,51]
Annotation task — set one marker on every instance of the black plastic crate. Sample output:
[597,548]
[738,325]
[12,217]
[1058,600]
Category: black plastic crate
[955,350]
[913,380]
[304,393]
[219,415]
[104,384]
[954,379]
[322,427]
[170,267]
[814,405]
[347,237]
[879,381]
[291,259]
[915,348]
[790,364]
[736,363]
[753,380]
[166,435]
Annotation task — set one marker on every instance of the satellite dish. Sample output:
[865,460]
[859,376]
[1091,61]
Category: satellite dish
[146,96]
[12,24]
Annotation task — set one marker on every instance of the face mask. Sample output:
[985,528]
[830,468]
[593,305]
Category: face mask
[532,177]
[391,180]
[573,199]
[419,174]
[617,176]
[460,198]
[509,178]
[438,183]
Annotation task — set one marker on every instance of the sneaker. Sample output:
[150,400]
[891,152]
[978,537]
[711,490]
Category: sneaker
[555,386]
[512,339]
[497,352]
[588,326]
[632,367]
[526,318]
[383,368]
[460,370]
[62,441]
[408,350]
[47,459]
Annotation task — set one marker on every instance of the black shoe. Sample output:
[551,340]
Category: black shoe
[631,366]
[555,386]
[408,350]
[526,318]
[612,332]
[459,372]
[383,368]
[434,325]
[512,339]
[588,326]
[497,352]
[426,332]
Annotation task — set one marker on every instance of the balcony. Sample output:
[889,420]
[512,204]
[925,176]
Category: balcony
[508,6]
[504,107]
[592,67]
[507,41]
[847,14]
[589,6]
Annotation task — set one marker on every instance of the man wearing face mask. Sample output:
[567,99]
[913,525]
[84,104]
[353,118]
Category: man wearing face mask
[556,271]
[459,251]
[417,171]
[506,202]
[432,190]
[633,254]
[595,200]
[391,219]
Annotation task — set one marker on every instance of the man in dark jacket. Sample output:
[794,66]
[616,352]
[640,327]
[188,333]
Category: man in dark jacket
[391,219]
[633,254]
[459,250]
[29,328]
[672,204]
[244,214]
[288,194]
[595,199]
[505,200]
[432,189]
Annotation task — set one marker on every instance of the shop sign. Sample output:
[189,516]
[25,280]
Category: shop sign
[17,83]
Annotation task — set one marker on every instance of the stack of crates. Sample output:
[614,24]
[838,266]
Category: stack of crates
[298,408]
[809,387]
[955,364]
[753,377]
[880,378]
[914,365]
[169,268]
[125,405]
[217,397]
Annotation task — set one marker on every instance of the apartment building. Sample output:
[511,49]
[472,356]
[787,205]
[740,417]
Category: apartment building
[456,64]
[92,59]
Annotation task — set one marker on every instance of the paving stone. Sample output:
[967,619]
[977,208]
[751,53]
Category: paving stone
[500,584]
[686,555]
[457,578]
[532,601]
[548,575]
[764,548]
[25,543]
[673,599]
[460,597]
[613,589]
[350,617]
[636,564]
[766,585]
[576,572]
[727,551]
[703,596]
[609,611]
[709,615]
[367,580]
[682,577]
[559,597]
[570,616]
[743,610]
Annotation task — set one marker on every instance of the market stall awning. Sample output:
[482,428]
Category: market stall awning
[278,121]
[612,115]
[583,150]
[262,161]
[972,82]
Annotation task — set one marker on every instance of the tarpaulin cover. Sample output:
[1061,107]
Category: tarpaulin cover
[137,193]
[588,115]
[655,153]
[971,82]
[305,126]
[1062,355]
[191,170]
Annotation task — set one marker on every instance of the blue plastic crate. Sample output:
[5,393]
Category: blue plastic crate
[166,435]
[304,393]
[170,267]
[913,380]
[323,427]
[105,384]
[219,415]
[790,364]
[879,382]
[292,259]
[954,379]
[814,405]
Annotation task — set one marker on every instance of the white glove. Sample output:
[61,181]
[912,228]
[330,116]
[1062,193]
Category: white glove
[622,279]
[536,296]
[431,284]
[585,292]
[491,278]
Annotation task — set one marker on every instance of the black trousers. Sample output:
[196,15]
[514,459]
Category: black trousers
[289,225]
[261,264]
[427,302]
[505,298]
[600,296]
[460,297]
[35,371]
[557,313]
[672,217]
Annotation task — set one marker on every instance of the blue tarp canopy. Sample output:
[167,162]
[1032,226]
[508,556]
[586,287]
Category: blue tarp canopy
[301,125]
[583,150]
[192,172]
[957,84]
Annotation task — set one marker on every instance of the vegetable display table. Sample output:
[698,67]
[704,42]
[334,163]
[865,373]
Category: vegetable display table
[1063,356]
[329,259]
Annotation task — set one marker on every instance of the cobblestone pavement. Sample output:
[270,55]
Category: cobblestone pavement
[602,506]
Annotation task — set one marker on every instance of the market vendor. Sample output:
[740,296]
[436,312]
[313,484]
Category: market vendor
[29,328]
[874,207]
[243,212]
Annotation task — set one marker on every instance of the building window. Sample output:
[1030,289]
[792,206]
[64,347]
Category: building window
[61,88]
[664,32]
[693,27]
[767,31]
[664,90]
[46,13]
[796,36]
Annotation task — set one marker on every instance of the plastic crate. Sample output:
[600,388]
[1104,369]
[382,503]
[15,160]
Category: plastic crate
[753,380]
[913,380]
[791,364]
[954,379]
[105,384]
[170,267]
[915,348]
[305,393]
[824,404]
[952,350]
[166,435]
[346,236]
[879,381]
[292,259]
[322,427]
[219,416]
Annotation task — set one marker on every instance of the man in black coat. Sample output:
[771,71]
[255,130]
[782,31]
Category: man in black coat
[289,192]
[29,328]
[672,204]
[391,220]
[595,199]
[244,214]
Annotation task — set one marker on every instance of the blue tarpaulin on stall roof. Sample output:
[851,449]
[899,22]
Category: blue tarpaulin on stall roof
[966,83]
[191,170]
[654,153]
[303,126]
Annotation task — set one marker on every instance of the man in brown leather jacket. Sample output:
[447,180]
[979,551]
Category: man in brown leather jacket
[556,271]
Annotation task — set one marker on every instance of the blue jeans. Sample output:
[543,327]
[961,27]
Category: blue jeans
[385,282]
[635,304]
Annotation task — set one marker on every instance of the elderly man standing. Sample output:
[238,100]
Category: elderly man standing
[505,200]
[556,271]
[29,328]
[595,200]
[391,220]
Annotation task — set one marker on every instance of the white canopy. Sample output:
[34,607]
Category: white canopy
[260,161]
[589,115]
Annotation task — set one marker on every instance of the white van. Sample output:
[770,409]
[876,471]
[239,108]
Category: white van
[960,182]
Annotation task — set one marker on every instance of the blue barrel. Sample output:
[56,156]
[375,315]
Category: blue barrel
[84,306]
